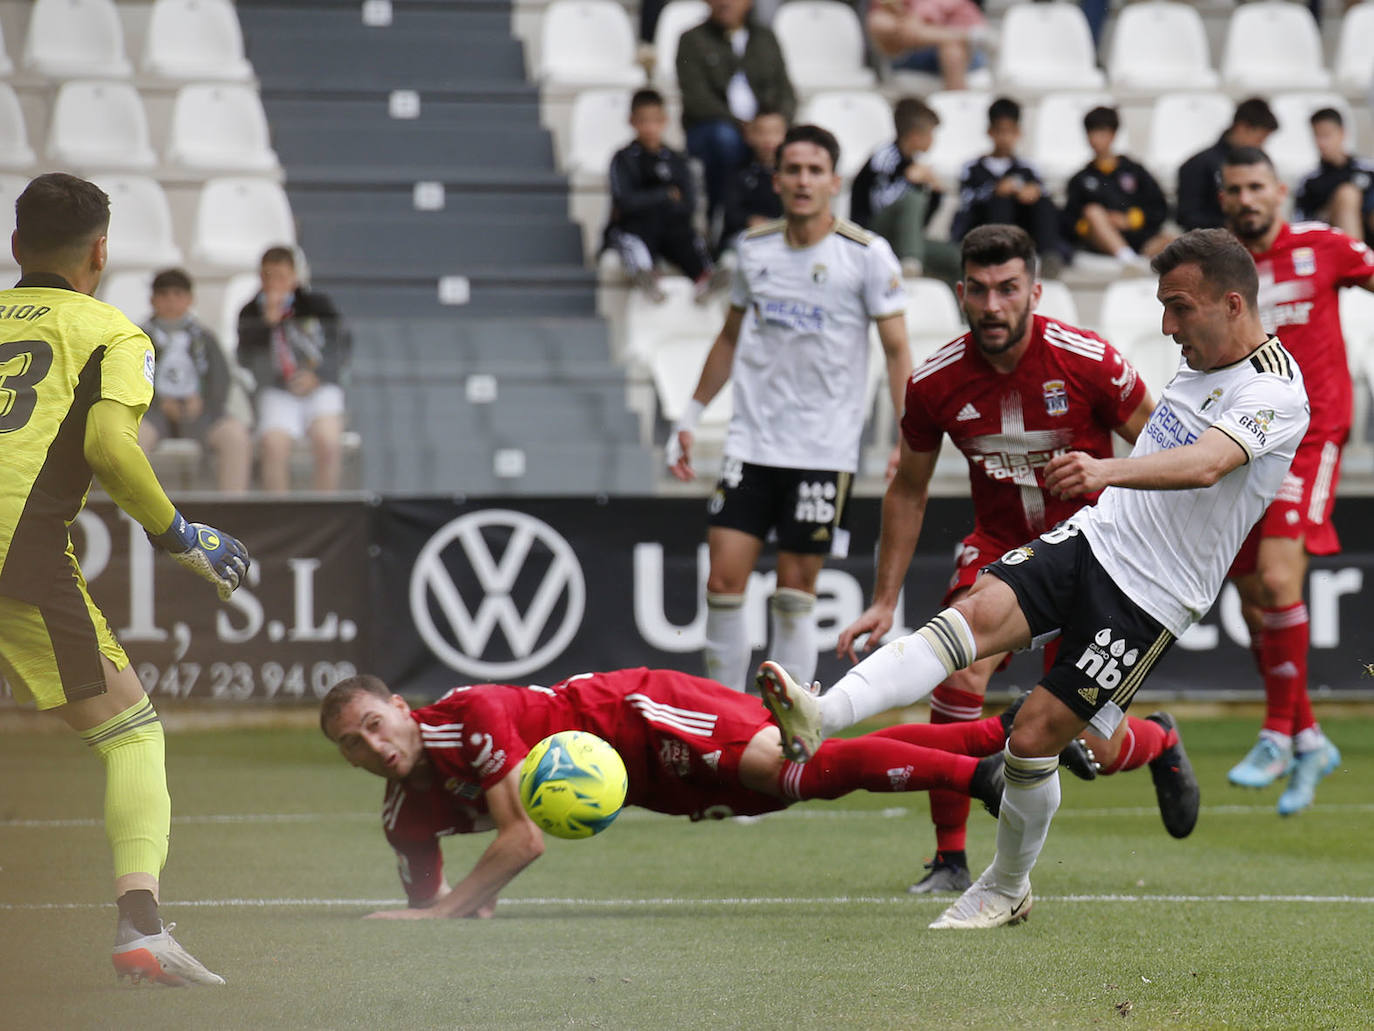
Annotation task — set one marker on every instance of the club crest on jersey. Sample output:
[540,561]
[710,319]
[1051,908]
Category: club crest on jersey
[1056,397]
[1263,418]
[1212,399]
[1304,261]
[819,274]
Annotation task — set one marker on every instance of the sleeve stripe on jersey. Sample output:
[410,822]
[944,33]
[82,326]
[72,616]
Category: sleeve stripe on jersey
[942,358]
[1075,342]
[1239,441]
[698,724]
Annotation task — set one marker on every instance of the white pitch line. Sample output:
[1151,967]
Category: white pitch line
[834,900]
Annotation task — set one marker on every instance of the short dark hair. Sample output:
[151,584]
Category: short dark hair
[344,692]
[58,212]
[1220,257]
[1004,107]
[645,98]
[1237,156]
[823,138]
[996,243]
[172,279]
[1255,113]
[279,255]
[913,113]
[1327,114]
[1101,118]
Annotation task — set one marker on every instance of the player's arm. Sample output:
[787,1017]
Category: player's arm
[518,844]
[111,449]
[1130,429]
[904,511]
[1192,466]
[715,373]
[897,354]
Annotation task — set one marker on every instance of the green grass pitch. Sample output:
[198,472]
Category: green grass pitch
[799,920]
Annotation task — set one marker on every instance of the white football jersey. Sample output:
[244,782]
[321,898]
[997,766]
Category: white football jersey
[801,365]
[1170,550]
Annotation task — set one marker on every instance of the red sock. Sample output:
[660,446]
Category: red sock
[1283,647]
[1143,742]
[979,738]
[874,763]
[949,811]
[1302,710]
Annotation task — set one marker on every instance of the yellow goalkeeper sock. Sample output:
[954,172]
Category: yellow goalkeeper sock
[138,810]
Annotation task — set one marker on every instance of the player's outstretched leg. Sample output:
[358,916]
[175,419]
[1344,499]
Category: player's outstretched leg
[794,708]
[157,958]
[1309,769]
[1176,787]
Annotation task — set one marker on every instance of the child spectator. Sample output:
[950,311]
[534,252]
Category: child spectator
[653,203]
[1114,206]
[1341,189]
[895,195]
[751,198]
[191,385]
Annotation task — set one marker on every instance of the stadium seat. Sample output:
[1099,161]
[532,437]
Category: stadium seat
[1292,148]
[6,65]
[140,222]
[129,291]
[220,127]
[1047,47]
[1357,326]
[588,43]
[15,151]
[1131,317]
[1060,146]
[1056,302]
[71,39]
[99,126]
[823,44]
[11,186]
[1273,46]
[239,218]
[195,40]
[1158,46]
[599,126]
[670,340]
[1181,125]
[933,318]
[962,134]
[1355,54]
[238,291]
[676,18]
[861,121]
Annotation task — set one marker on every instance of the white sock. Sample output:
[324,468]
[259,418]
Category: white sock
[727,650]
[792,620]
[1309,739]
[1284,741]
[1029,803]
[900,672]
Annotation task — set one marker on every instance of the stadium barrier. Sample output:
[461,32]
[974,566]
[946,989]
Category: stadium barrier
[433,592]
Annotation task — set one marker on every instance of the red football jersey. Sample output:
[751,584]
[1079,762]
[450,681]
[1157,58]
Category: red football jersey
[1300,279]
[1068,392]
[680,737]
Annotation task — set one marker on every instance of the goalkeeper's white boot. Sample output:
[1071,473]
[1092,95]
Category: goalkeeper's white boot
[795,709]
[981,906]
[158,958]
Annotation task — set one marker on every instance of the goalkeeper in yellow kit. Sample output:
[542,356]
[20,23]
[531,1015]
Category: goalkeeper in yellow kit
[75,379]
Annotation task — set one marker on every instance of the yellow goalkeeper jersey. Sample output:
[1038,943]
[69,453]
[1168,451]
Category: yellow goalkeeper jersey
[60,352]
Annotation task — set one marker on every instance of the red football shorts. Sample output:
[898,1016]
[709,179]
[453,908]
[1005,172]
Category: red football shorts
[1303,505]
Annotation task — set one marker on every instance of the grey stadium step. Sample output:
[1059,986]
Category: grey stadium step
[397,199]
[405,151]
[522,292]
[407,249]
[552,468]
[565,347]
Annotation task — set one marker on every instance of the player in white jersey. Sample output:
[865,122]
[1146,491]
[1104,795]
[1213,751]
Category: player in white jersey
[809,285]
[1116,582]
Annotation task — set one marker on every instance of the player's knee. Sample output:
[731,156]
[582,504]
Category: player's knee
[1279,585]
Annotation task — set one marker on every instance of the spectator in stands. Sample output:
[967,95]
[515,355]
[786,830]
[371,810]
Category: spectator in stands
[1114,206]
[653,203]
[752,199]
[291,340]
[895,195]
[942,37]
[1199,178]
[191,385]
[728,67]
[1001,187]
[1341,189]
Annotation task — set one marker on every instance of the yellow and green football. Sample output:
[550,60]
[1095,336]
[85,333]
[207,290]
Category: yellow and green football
[573,784]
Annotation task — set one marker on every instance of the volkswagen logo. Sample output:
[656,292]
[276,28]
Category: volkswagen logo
[500,623]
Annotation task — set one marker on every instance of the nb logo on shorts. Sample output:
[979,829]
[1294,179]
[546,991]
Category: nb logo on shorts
[815,503]
[1100,662]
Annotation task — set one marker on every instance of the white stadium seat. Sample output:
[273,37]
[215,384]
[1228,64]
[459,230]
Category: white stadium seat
[962,134]
[1056,302]
[15,151]
[1047,47]
[195,40]
[1292,148]
[1181,125]
[1273,46]
[76,38]
[599,126]
[588,43]
[6,65]
[99,126]
[1060,146]
[1158,46]
[1355,54]
[129,292]
[861,121]
[671,340]
[11,186]
[1131,321]
[933,318]
[675,19]
[239,218]
[823,45]
[220,127]
[140,222]
[240,289]
[1357,326]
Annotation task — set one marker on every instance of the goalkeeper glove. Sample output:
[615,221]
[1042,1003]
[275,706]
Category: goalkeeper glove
[205,551]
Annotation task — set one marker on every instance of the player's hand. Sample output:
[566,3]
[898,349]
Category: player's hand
[678,455]
[1075,474]
[483,912]
[403,914]
[303,382]
[876,621]
[207,552]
